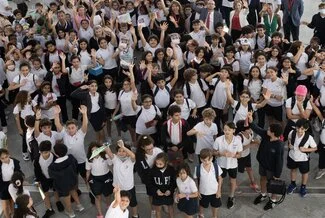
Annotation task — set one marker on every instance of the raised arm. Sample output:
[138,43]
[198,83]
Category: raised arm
[175,78]
[120,143]
[57,122]
[316,109]
[163,28]
[228,91]
[209,78]
[143,40]
[38,115]
[83,111]
[149,70]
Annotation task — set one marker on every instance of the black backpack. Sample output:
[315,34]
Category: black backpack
[155,92]
[266,41]
[188,88]
[303,140]
[249,104]
[293,102]
[198,169]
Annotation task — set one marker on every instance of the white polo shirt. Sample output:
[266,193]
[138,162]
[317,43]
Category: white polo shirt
[145,116]
[44,164]
[295,153]
[207,140]
[107,54]
[76,75]
[123,173]
[197,95]
[98,166]
[244,59]
[186,110]
[276,87]
[86,33]
[219,97]
[254,88]
[54,138]
[49,113]
[187,186]
[13,192]
[28,110]
[246,141]
[222,145]
[162,98]
[31,80]
[241,113]
[199,36]
[208,180]
[110,99]
[295,110]
[75,145]
[94,102]
[126,103]
[116,212]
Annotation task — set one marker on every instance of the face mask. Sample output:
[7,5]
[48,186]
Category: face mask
[322,11]
[11,67]
[123,158]
[176,41]
[123,45]
[160,168]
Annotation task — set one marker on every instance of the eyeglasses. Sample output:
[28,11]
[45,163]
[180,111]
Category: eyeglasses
[147,101]
[244,96]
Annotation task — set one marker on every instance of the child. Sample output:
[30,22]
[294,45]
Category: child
[123,176]
[228,149]
[300,144]
[244,56]
[119,207]
[8,166]
[41,170]
[199,32]
[145,156]
[99,177]
[152,43]
[3,140]
[275,55]
[262,40]
[187,192]
[188,107]
[244,162]
[217,49]
[16,187]
[64,173]
[162,183]
[24,207]
[38,69]
[208,174]
[206,131]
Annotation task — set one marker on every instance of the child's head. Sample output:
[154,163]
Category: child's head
[4,155]
[244,96]
[72,127]
[125,199]
[229,129]
[102,41]
[206,156]
[248,31]
[160,81]
[121,153]
[145,145]
[260,57]
[244,44]
[208,115]
[17,181]
[205,70]
[45,149]
[153,41]
[108,81]
[45,87]
[161,161]
[192,45]
[200,51]
[160,54]
[93,146]
[183,171]
[11,65]
[93,86]
[75,61]
[174,112]
[286,63]
[314,43]
[51,46]
[37,63]
[230,51]
[146,100]
[272,73]
[302,125]
[24,68]
[260,28]
[219,27]
[254,73]
[190,74]
[22,98]
[215,38]
[147,56]
[276,51]
[83,44]
[196,24]
[23,204]
[60,149]
[241,127]
[30,121]
[276,38]
[46,126]
[301,92]
[275,130]
[18,14]
[179,96]
[224,73]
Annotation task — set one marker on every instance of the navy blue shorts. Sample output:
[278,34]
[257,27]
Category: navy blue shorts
[210,199]
[190,206]
[102,185]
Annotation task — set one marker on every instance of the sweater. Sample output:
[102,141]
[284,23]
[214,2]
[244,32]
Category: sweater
[318,23]
[162,181]
[270,153]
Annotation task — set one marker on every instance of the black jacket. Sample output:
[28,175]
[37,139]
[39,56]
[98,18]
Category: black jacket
[38,170]
[162,180]
[64,174]
[63,82]
[269,154]
[16,169]
[142,168]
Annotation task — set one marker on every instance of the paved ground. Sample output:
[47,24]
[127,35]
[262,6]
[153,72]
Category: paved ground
[293,206]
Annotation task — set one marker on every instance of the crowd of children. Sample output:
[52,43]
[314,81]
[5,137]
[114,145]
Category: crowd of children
[196,94]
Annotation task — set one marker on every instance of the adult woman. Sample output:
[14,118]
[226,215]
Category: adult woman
[175,18]
[272,21]
[238,18]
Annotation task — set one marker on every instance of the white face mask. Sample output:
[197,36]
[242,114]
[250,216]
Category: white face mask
[11,67]
[322,11]
[176,41]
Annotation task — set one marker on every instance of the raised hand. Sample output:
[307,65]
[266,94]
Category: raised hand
[83,109]
[38,114]
[120,143]
[62,56]
[164,26]
[57,110]
[143,65]
[267,95]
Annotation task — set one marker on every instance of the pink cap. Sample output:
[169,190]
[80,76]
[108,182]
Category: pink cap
[301,90]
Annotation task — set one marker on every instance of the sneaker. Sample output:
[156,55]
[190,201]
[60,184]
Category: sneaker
[230,202]
[269,205]
[48,213]
[71,215]
[4,129]
[291,188]
[259,199]
[79,207]
[303,191]
[320,174]
[255,187]
[153,214]
[60,206]
[26,156]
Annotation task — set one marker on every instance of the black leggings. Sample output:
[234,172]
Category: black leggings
[24,128]
[3,115]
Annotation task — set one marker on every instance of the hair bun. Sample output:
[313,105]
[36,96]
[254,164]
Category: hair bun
[18,183]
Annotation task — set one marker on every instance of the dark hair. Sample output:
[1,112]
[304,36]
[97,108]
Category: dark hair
[21,209]
[51,42]
[100,39]
[60,149]
[294,48]
[162,156]
[247,29]
[24,64]
[230,48]
[125,194]
[71,121]
[206,68]
[103,89]
[279,52]
[17,11]
[143,141]
[143,97]
[196,21]
[178,91]
[206,153]
[273,68]
[186,167]
[302,123]
[241,126]
[45,122]
[144,54]
[45,146]
[230,124]
[276,129]
[40,92]
[259,26]
[88,47]
[4,151]
[189,73]
[219,24]
[277,34]
[17,181]
[74,57]
[199,49]
[173,109]
[250,76]
[89,151]
[21,99]
[30,120]
[280,64]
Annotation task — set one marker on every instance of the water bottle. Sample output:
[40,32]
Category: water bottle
[117,117]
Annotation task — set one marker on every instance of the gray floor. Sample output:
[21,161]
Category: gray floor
[293,206]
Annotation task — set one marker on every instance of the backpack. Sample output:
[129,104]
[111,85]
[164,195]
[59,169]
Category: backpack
[303,140]
[293,102]
[140,111]
[188,88]
[198,169]
[266,41]
[157,90]
[250,107]
[228,64]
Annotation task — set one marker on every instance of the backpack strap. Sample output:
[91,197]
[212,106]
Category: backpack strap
[187,103]
[304,139]
[215,85]
[200,84]
[237,107]
[216,170]
[167,88]
[250,106]
[70,70]
[188,89]
[317,74]
[155,92]
[293,102]
[34,80]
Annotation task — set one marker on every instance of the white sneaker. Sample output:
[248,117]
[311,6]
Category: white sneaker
[320,174]
[153,214]
[79,208]
[71,215]
[26,156]
[4,129]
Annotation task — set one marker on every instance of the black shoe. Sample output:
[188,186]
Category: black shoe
[259,199]
[230,203]
[269,205]
[48,213]
[60,206]
[78,192]
[92,198]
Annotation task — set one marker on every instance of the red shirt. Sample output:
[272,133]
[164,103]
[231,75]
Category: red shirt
[235,22]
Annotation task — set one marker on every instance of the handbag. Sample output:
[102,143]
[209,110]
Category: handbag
[277,186]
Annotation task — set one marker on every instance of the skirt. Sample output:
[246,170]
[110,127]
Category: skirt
[97,120]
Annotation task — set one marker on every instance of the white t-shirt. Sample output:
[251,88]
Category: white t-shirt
[272,62]
[295,110]
[75,145]
[13,192]
[222,145]
[116,212]
[98,166]
[49,113]
[219,97]
[162,98]
[123,173]
[234,63]
[85,58]
[276,87]
[126,105]
[76,75]
[186,109]
[322,96]
[244,59]
[242,111]
[30,79]
[207,140]
[254,88]
[197,95]
[94,102]
[208,180]
[28,110]
[110,99]
[199,37]
[44,164]
[40,73]
[151,158]
[55,136]
[295,153]
[107,54]
[10,75]
[86,33]
[301,65]
[145,116]
[187,186]
[246,141]
[319,74]
[147,47]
